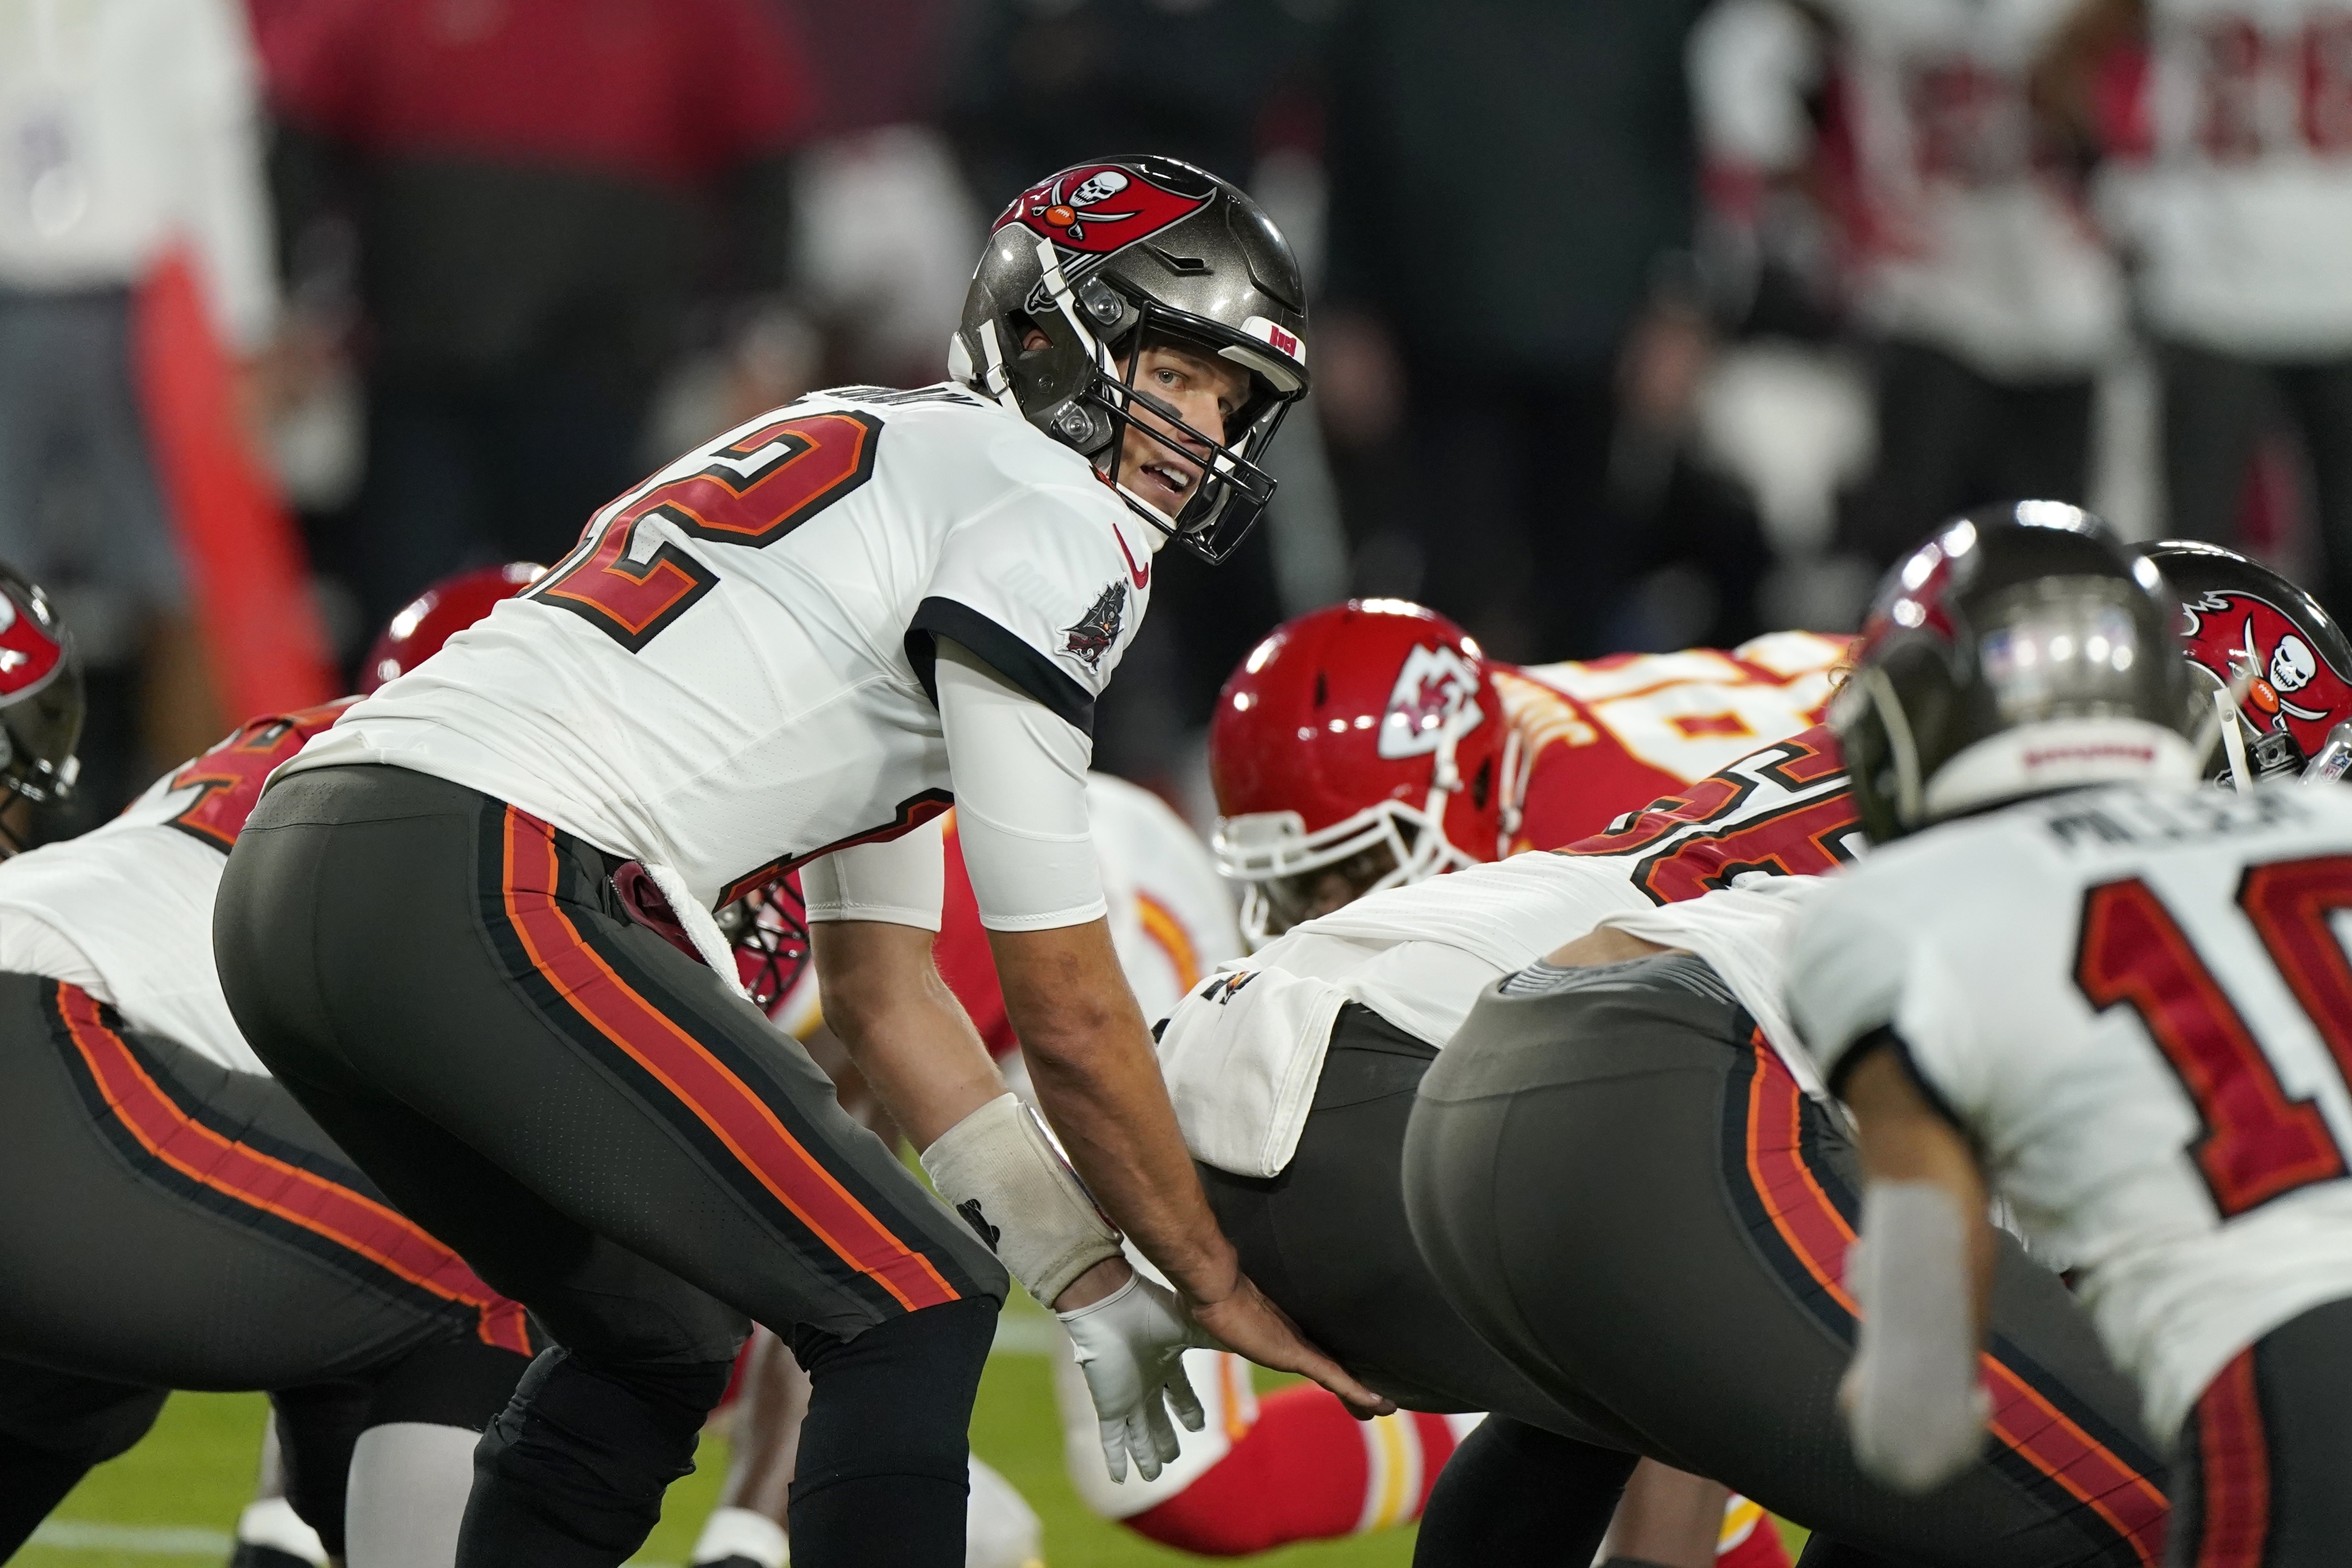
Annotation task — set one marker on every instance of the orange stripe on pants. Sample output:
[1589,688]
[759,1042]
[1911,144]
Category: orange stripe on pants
[353,1221]
[2233,1462]
[705,1086]
[2025,1422]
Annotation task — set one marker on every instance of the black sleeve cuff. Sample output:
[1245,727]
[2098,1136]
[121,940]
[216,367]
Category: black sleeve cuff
[1883,1038]
[1001,651]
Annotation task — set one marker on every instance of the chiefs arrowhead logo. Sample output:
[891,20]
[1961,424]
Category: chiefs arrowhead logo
[1097,632]
[1435,698]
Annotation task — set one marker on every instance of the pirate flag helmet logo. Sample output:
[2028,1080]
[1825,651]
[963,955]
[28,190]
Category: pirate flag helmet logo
[2247,627]
[1096,208]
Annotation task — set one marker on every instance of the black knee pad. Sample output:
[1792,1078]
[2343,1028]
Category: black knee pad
[586,1450]
[895,1400]
[883,1475]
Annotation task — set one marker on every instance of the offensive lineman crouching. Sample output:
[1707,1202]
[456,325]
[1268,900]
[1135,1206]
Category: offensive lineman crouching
[2155,1082]
[793,643]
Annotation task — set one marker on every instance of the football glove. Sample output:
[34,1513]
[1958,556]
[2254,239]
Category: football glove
[1130,1345]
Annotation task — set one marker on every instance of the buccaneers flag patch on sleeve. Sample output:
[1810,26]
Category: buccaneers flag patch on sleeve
[1097,632]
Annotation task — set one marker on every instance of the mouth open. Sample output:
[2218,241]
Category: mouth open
[1175,478]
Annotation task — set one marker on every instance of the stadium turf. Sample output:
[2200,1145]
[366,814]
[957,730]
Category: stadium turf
[172,1501]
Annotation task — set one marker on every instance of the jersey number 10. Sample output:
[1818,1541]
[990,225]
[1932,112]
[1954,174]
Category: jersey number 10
[2258,1144]
[753,491]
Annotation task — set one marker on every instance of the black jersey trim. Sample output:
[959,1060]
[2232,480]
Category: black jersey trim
[1001,651]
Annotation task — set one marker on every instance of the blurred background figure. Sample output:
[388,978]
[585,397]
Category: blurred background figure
[2230,127]
[1511,182]
[128,133]
[1957,226]
[529,194]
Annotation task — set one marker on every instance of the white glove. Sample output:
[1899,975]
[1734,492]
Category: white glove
[1130,1344]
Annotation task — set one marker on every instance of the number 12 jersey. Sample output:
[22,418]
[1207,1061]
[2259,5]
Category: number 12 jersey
[733,672]
[2136,1001]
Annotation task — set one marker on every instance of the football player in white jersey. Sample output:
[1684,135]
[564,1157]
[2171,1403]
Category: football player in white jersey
[2076,978]
[2232,181]
[1675,1108]
[1962,226]
[795,646]
[174,1219]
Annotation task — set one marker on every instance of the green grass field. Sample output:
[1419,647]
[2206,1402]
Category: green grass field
[177,1494]
[194,1471]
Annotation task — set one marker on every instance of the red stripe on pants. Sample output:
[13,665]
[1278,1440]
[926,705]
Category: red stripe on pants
[2024,1421]
[326,1208]
[705,1086]
[2233,1461]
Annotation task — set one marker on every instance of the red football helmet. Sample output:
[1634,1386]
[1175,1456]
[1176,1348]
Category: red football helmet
[1369,728]
[40,696]
[2243,623]
[768,928]
[439,613]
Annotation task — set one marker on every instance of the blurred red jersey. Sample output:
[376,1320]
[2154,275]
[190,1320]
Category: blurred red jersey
[1602,738]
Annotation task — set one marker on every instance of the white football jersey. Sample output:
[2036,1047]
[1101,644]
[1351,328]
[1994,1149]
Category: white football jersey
[1972,239]
[2244,213]
[1172,913]
[132,900]
[2136,1001]
[1242,1052]
[1961,229]
[731,673]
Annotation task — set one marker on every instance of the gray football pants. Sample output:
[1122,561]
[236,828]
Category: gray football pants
[1622,1188]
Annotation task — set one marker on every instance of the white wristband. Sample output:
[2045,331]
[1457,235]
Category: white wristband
[1914,1399]
[997,1169]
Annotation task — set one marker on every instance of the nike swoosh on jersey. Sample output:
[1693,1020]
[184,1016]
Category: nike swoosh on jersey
[1140,574]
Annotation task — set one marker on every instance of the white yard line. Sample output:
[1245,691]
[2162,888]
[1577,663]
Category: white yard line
[155,1539]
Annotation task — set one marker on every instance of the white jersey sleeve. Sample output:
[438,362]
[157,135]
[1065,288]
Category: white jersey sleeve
[1021,799]
[2126,998]
[1860,964]
[1006,587]
[735,671]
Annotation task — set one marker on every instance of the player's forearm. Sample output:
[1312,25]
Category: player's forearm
[908,1034]
[1096,1078]
[1903,1138]
[1131,1156]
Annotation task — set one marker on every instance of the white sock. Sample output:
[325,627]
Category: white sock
[409,1484]
[272,1522]
[740,1532]
[1000,1530]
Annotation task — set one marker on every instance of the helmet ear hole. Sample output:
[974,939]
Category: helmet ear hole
[1482,784]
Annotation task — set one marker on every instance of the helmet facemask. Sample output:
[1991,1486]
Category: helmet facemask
[1232,489]
[1276,860]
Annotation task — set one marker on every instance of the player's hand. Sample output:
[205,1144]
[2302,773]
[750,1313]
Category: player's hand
[1131,1345]
[1247,1322]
